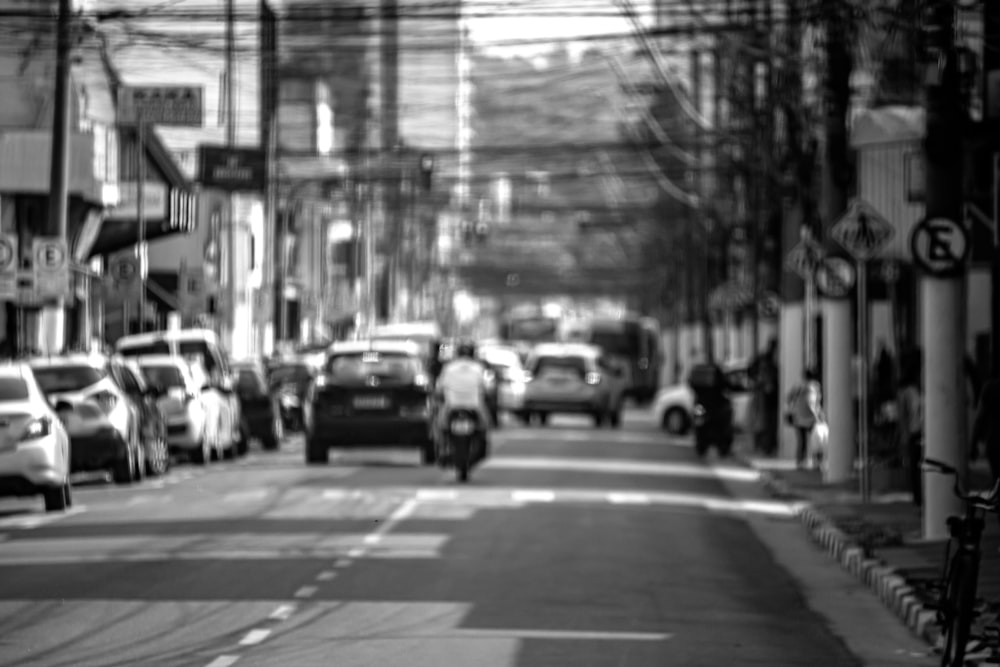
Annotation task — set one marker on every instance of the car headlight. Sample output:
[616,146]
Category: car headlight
[36,428]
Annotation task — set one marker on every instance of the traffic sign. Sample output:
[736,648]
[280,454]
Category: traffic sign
[940,246]
[8,267]
[161,105]
[862,231]
[50,264]
[803,258]
[835,277]
[232,169]
[769,306]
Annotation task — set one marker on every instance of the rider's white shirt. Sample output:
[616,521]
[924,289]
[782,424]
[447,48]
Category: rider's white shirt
[462,383]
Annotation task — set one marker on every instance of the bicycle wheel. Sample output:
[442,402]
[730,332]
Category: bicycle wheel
[959,603]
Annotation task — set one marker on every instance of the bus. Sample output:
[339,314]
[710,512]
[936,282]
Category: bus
[526,329]
[633,340]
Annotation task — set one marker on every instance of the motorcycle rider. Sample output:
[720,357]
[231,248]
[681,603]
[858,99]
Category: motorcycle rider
[462,384]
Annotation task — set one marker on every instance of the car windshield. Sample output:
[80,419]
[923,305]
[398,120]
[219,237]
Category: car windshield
[150,349]
[385,365]
[249,382]
[295,373]
[560,365]
[164,377]
[57,379]
[13,389]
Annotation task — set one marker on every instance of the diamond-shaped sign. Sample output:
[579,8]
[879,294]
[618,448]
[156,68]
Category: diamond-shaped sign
[863,231]
[803,258]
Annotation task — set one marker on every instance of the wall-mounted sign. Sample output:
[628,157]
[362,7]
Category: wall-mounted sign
[154,201]
[232,169]
[161,105]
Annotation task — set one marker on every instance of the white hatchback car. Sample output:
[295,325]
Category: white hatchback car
[195,417]
[673,405]
[34,445]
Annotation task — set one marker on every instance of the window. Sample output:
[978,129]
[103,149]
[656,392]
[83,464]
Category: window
[13,389]
[59,379]
[164,377]
[130,382]
[249,382]
[202,352]
[157,348]
[360,366]
[560,366]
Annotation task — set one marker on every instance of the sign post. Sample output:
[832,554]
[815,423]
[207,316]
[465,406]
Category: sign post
[50,262]
[8,267]
[802,260]
[863,232]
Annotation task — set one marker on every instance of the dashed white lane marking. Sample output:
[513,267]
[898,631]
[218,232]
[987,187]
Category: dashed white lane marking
[355,553]
[342,562]
[224,661]
[533,496]
[326,576]
[306,592]
[437,494]
[629,498]
[254,637]
[283,612]
[566,635]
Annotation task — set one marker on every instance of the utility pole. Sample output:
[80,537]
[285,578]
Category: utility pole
[391,185]
[707,333]
[54,317]
[230,198]
[943,296]
[838,320]
[991,120]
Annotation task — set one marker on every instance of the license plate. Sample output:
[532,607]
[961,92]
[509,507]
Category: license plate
[371,402]
[463,427]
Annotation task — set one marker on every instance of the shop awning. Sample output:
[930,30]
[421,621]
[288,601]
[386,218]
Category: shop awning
[169,202]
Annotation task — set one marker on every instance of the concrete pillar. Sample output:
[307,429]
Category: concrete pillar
[838,388]
[792,364]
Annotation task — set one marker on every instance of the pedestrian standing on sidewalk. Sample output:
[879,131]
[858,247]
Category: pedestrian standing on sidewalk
[911,427]
[986,427]
[764,373]
[803,411]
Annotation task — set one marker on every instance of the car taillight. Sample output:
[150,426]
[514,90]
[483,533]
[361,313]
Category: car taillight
[421,381]
[106,400]
[592,378]
[37,428]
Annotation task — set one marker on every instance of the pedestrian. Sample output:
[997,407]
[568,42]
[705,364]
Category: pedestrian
[764,374]
[986,426]
[803,411]
[911,426]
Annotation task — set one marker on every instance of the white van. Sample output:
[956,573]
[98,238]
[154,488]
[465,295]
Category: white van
[202,347]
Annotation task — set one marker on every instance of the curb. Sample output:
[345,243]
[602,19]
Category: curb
[889,585]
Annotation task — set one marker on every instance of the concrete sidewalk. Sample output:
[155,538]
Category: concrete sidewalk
[880,542]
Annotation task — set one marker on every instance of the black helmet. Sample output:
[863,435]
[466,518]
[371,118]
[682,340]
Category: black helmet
[465,349]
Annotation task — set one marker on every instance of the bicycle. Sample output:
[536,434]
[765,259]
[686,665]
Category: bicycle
[960,575]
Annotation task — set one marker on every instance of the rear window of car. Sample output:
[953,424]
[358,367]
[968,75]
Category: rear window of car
[386,365]
[543,365]
[249,381]
[57,379]
[150,349]
[164,377]
[13,389]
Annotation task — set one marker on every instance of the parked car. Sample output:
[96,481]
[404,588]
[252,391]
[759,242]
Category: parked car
[151,422]
[674,405]
[203,348]
[510,375]
[573,378]
[34,444]
[259,406]
[289,381]
[194,414]
[103,423]
[370,393]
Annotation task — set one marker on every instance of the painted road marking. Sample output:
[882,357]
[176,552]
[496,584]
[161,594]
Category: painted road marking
[571,635]
[224,661]
[628,498]
[306,592]
[326,576]
[532,496]
[246,496]
[437,494]
[254,637]
[355,553]
[283,612]
[623,467]
[342,562]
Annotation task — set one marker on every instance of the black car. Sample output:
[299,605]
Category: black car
[259,407]
[289,381]
[370,393]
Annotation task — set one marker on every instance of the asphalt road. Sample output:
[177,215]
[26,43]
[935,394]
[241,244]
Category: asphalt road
[573,546]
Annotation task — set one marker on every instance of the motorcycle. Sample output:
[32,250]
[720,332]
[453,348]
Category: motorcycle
[463,443]
[291,408]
